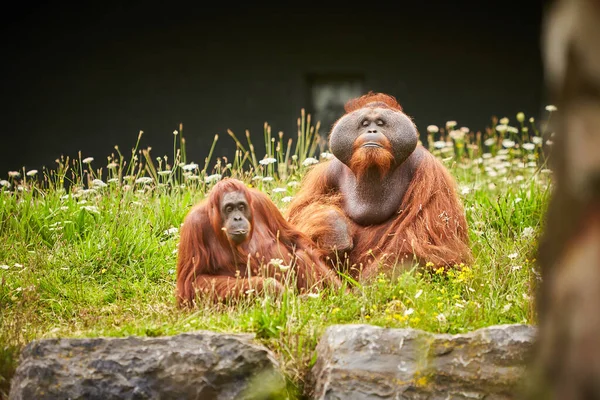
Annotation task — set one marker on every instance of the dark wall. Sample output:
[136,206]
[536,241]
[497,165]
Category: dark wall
[88,77]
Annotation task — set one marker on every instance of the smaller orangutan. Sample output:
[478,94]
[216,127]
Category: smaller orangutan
[237,242]
[383,200]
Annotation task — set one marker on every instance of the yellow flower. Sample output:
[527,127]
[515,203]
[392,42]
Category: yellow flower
[400,318]
[422,381]
[103,270]
[335,310]
[367,317]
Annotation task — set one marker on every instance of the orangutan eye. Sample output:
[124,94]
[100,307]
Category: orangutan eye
[365,123]
[228,209]
[380,122]
[241,207]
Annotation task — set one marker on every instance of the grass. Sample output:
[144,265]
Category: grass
[89,248]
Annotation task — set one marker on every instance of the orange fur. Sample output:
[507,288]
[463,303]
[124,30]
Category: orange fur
[210,265]
[363,159]
[429,226]
[382,100]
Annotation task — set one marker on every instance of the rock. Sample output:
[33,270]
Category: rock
[369,362]
[199,365]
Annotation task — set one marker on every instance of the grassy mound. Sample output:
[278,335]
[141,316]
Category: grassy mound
[89,248]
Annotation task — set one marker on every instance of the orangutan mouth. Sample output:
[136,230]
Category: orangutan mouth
[373,144]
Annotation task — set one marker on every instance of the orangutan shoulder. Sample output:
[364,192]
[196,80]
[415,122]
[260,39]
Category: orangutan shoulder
[333,170]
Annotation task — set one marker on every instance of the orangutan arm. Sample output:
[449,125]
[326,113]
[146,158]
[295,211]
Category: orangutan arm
[316,209]
[205,267]
[431,226]
[314,188]
[222,288]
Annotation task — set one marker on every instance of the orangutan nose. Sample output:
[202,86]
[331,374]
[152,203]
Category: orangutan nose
[372,135]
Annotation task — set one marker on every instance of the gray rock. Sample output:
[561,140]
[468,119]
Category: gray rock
[369,362]
[200,365]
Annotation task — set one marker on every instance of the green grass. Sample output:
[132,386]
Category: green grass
[98,258]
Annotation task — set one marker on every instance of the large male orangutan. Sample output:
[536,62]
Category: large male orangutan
[383,200]
[237,242]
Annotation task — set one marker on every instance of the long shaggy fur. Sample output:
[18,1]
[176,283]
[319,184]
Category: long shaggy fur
[429,226]
[364,159]
[211,265]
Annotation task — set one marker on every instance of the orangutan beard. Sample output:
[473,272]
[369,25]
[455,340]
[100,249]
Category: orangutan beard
[366,159]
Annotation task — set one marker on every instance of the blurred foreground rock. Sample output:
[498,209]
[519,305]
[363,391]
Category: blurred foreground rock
[353,362]
[201,365]
[369,362]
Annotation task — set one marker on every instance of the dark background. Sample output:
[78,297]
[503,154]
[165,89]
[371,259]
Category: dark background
[90,76]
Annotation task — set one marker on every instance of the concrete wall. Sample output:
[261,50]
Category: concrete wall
[88,79]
